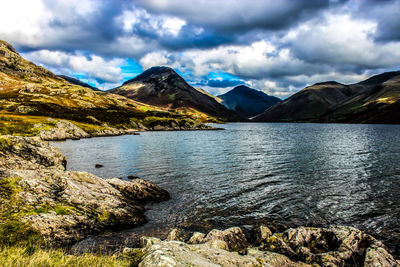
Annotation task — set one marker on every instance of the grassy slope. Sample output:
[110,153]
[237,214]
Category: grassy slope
[379,104]
[308,104]
[27,89]
[376,100]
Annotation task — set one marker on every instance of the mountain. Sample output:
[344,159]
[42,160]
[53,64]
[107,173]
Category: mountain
[375,100]
[30,94]
[163,87]
[77,82]
[247,102]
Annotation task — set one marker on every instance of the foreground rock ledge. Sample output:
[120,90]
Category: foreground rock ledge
[66,206]
[296,247]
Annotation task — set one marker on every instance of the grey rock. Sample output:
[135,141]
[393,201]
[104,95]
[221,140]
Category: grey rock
[77,203]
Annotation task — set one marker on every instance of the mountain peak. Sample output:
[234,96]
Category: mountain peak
[328,83]
[246,101]
[241,88]
[154,73]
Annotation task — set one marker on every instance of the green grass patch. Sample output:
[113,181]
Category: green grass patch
[13,231]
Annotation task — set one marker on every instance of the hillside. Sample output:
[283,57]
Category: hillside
[375,100]
[29,94]
[163,87]
[77,82]
[247,102]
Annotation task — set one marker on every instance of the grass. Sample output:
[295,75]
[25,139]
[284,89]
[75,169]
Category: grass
[24,125]
[21,257]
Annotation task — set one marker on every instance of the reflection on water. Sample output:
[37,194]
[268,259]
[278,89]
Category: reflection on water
[298,174]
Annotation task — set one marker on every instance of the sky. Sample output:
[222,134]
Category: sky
[277,46]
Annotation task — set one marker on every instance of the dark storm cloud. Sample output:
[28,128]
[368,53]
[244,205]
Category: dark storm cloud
[238,15]
[386,13]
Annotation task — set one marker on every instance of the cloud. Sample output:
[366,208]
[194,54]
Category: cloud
[94,66]
[340,40]
[385,13]
[277,46]
[236,15]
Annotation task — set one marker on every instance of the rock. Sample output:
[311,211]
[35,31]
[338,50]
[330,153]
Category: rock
[333,246]
[298,247]
[379,257]
[25,109]
[98,166]
[175,253]
[69,205]
[139,189]
[234,237]
[29,153]
[63,130]
[176,234]
[197,238]
[261,234]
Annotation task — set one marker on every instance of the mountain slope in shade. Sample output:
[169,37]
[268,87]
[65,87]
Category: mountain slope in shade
[77,82]
[163,87]
[375,100]
[247,102]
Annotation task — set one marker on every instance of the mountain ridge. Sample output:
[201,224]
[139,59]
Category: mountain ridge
[374,100]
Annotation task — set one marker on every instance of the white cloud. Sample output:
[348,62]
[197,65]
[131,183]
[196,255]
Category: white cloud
[341,40]
[139,19]
[95,66]
[154,59]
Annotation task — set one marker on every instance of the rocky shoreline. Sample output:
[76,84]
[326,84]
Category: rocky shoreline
[295,247]
[64,130]
[66,207]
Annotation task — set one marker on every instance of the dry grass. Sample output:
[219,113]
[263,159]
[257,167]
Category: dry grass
[23,257]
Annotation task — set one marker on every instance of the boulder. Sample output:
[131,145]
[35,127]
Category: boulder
[333,246]
[234,238]
[175,253]
[66,206]
[63,130]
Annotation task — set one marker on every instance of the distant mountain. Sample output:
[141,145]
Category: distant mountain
[247,102]
[163,87]
[77,82]
[375,100]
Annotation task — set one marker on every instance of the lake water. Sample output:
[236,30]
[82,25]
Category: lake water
[295,174]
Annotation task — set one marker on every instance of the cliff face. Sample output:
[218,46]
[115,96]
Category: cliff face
[66,206]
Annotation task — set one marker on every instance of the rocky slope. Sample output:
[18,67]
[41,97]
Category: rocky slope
[65,206]
[163,87]
[375,100]
[247,102]
[298,247]
[28,89]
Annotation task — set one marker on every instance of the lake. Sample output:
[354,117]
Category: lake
[249,173]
